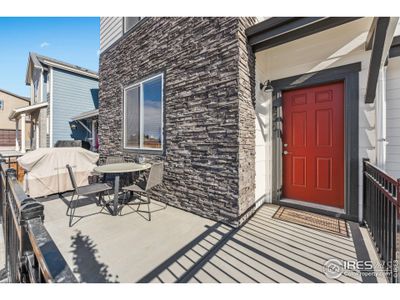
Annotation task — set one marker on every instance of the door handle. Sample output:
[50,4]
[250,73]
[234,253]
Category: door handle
[286,152]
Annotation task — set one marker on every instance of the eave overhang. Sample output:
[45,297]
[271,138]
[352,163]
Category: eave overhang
[380,39]
[26,110]
[277,31]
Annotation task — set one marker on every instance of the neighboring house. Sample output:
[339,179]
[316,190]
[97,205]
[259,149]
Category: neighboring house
[8,133]
[245,111]
[59,93]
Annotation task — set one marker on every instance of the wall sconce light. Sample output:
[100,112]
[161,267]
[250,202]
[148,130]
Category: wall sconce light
[73,126]
[266,86]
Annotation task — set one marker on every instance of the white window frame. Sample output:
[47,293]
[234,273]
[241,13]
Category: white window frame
[2,104]
[141,114]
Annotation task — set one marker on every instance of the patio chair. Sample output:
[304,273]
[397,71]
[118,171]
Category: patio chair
[114,160]
[145,186]
[86,190]
[111,177]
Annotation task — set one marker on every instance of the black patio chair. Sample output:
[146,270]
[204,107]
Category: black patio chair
[86,190]
[144,186]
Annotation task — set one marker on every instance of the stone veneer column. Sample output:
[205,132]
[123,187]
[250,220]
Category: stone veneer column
[247,120]
[208,104]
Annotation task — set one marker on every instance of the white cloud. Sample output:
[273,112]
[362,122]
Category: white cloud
[44,45]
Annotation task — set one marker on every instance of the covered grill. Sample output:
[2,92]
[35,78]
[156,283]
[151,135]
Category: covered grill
[47,173]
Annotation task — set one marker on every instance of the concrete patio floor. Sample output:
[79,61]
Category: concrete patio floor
[177,246]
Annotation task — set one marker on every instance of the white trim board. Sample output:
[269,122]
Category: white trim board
[50,78]
[62,67]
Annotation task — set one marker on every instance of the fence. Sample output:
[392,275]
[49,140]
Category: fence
[381,213]
[30,253]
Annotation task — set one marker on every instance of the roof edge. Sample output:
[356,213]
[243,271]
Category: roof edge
[15,95]
[17,111]
[40,61]
[52,62]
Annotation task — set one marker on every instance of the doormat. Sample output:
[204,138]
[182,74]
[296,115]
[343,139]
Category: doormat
[312,220]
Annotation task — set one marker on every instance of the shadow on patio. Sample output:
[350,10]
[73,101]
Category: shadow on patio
[86,261]
[177,246]
[263,250]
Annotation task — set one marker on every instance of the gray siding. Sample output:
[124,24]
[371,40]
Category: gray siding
[392,117]
[72,94]
[111,29]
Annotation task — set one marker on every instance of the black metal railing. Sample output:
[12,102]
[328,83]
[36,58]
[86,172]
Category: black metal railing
[30,253]
[381,198]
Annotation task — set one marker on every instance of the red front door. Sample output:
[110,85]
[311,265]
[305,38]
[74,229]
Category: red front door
[313,144]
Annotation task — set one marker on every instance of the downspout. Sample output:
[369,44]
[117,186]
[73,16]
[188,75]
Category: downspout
[380,111]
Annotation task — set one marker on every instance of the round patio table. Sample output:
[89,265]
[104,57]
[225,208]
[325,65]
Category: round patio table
[118,169]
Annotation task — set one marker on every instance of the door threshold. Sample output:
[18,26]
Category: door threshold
[315,208]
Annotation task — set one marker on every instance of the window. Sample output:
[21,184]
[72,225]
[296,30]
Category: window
[1,104]
[129,22]
[143,114]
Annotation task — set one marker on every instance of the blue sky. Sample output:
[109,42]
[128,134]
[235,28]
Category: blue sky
[73,40]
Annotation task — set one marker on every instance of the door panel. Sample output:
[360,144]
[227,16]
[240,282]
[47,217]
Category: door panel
[313,138]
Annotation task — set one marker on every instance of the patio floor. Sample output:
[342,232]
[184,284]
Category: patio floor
[177,246]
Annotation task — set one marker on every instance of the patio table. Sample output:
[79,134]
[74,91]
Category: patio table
[118,169]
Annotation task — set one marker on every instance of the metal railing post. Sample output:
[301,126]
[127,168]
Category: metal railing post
[10,173]
[10,241]
[4,272]
[2,190]
[396,253]
[31,254]
[30,210]
[364,196]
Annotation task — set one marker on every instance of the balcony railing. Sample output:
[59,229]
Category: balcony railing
[30,253]
[381,197]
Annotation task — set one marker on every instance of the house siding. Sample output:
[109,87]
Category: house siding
[263,140]
[207,152]
[72,94]
[8,127]
[111,29]
[10,103]
[392,117]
